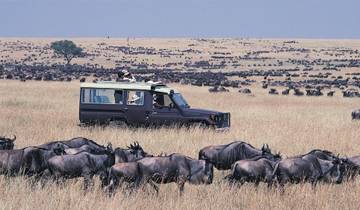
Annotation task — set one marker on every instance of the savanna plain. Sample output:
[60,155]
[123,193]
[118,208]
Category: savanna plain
[38,112]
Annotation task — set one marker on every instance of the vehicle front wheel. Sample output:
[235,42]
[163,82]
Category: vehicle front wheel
[201,125]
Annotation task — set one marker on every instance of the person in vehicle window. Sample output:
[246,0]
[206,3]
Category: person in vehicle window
[118,95]
[135,100]
[158,101]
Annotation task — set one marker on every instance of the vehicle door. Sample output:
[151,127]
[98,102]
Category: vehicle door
[138,106]
[164,111]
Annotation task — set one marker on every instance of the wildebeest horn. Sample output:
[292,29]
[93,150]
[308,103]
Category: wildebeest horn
[14,138]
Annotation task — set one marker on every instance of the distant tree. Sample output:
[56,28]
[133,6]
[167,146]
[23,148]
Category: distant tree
[66,48]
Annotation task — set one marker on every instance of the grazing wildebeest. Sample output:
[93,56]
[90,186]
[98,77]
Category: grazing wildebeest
[132,153]
[308,168]
[285,92]
[298,92]
[89,149]
[321,154]
[351,169]
[355,115]
[245,91]
[223,156]
[29,161]
[253,170]
[7,143]
[82,164]
[165,169]
[352,165]
[273,91]
[330,93]
[75,143]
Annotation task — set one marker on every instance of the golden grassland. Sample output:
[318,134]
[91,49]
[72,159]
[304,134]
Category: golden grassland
[38,112]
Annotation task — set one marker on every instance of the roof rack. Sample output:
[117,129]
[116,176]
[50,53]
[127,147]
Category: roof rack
[128,86]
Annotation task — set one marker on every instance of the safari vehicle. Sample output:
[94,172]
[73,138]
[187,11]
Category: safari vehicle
[142,104]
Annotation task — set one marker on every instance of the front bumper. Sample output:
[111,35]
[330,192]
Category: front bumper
[222,121]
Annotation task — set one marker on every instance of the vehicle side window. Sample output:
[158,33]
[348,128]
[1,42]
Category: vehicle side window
[119,96]
[161,100]
[101,96]
[135,98]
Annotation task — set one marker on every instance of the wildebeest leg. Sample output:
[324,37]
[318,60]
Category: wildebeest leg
[154,186]
[87,181]
[110,189]
[257,182]
[282,182]
[242,181]
[269,181]
[313,182]
[181,184]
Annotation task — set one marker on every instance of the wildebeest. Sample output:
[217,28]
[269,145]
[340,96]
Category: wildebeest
[89,149]
[308,168]
[164,169]
[314,92]
[74,143]
[330,93]
[355,115]
[245,91]
[253,170]
[223,156]
[217,89]
[352,166]
[132,153]
[82,164]
[321,154]
[78,144]
[298,92]
[273,91]
[29,161]
[285,92]
[7,143]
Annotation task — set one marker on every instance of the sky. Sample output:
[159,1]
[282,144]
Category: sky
[181,18]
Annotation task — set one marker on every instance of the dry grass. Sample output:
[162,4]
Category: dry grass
[38,112]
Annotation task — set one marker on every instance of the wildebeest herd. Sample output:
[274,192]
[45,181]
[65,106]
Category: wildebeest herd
[132,167]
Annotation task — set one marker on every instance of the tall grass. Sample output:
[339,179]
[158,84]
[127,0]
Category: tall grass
[38,112]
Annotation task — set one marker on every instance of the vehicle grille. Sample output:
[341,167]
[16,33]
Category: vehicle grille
[223,120]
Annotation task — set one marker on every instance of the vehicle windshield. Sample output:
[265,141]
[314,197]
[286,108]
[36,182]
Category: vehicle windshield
[180,101]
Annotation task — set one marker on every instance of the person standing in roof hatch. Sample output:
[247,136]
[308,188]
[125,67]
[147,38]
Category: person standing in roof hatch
[126,76]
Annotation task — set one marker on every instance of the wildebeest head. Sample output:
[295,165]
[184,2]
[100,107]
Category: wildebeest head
[333,171]
[104,178]
[265,149]
[109,149]
[7,143]
[59,149]
[137,151]
[266,152]
[276,157]
[201,172]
